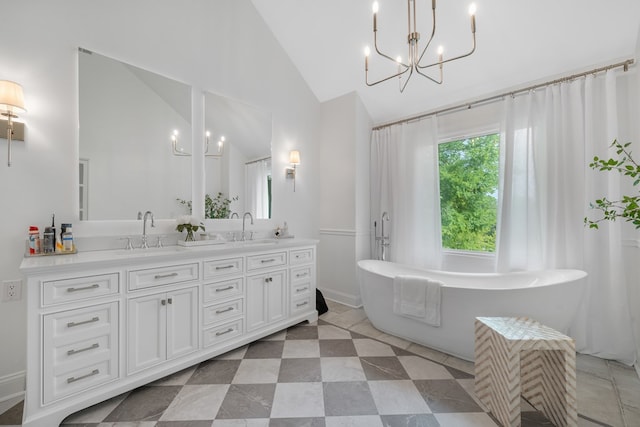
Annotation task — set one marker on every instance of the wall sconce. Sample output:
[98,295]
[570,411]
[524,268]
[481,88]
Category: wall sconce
[174,144]
[294,159]
[11,102]
[219,146]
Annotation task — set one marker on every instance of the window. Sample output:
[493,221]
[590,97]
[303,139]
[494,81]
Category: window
[469,192]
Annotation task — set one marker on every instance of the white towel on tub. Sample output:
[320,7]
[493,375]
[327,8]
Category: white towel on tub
[418,298]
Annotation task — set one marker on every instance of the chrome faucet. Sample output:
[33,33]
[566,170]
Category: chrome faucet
[243,218]
[233,214]
[384,240]
[144,217]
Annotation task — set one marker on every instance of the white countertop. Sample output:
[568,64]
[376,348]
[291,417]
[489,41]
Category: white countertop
[122,257]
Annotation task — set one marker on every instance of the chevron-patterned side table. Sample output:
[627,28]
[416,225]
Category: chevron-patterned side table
[517,356]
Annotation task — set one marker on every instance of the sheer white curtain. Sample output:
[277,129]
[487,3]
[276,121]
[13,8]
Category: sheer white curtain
[550,136]
[256,182]
[405,183]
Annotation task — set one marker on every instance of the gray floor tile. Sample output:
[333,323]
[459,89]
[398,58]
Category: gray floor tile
[247,401]
[302,332]
[300,370]
[446,396]
[215,372]
[144,404]
[264,350]
[383,368]
[337,348]
[348,398]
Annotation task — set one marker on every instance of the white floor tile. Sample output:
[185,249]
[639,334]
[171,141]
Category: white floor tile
[250,422]
[257,371]
[368,347]
[330,332]
[295,400]
[96,413]
[301,348]
[196,402]
[354,421]
[468,419]
[421,369]
[397,397]
[336,369]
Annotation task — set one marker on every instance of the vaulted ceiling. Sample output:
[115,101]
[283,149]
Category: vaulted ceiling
[519,42]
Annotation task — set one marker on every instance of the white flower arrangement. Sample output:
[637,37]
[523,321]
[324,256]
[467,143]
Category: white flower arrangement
[189,223]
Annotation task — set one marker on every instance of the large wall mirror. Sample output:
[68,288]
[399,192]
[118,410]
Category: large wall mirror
[128,162]
[237,158]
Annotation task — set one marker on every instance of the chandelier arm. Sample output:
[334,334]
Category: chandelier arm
[375,46]
[403,86]
[386,78]
[473,49]
[431,78]
[433,33]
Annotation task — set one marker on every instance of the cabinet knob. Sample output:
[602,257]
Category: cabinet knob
[163,301]
[170,300]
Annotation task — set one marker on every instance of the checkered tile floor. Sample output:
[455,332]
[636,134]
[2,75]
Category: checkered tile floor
[309,375]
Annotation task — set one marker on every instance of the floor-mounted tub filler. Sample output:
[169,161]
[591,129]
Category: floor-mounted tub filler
[551,297]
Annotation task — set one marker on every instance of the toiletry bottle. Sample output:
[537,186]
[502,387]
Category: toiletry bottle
[67,238]
[49,244]
[285,230]
[34,240]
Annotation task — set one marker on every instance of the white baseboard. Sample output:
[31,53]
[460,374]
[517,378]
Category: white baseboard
[11,389]
[341,297]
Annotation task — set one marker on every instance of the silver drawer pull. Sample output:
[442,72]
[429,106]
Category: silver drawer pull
[86,288]
[73,324]
[302,289]
[91,347]
[223,267]
[224,311]
[164,276]
[228,288]
[264,261]
[74,379]
[301,274]
[224,332]
[302,304]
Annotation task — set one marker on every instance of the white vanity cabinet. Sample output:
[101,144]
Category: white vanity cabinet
[105,322]
[161,327]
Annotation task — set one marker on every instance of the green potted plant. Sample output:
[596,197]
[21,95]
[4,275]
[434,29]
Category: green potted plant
[214,207]
[628,207]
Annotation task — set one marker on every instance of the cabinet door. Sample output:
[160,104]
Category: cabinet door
[182,322]
[147,331]
[277,305]
[266,299]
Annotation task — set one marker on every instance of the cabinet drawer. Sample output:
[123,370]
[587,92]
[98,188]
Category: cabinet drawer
[79,288]
[301,290]
[217,334]
[80,350]
[79,380]
[302,256]
[301,275]
[222,267]
[301,304]
[220,312]
[158,276]
[256,262]
[73,325]
[221,290]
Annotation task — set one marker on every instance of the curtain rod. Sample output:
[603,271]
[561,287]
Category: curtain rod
[624,64]
[258,160]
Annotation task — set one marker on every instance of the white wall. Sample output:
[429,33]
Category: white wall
[220,46]
[344,195]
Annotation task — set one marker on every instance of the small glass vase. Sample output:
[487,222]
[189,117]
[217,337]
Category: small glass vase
[189,237]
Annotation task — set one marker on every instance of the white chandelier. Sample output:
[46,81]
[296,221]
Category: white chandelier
[415,54]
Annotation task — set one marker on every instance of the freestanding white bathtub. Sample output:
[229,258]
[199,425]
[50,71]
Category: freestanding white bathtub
[551,297]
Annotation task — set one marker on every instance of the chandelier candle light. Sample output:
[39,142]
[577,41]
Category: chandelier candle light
[415,54]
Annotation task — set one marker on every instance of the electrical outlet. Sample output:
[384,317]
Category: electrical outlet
[11,290]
